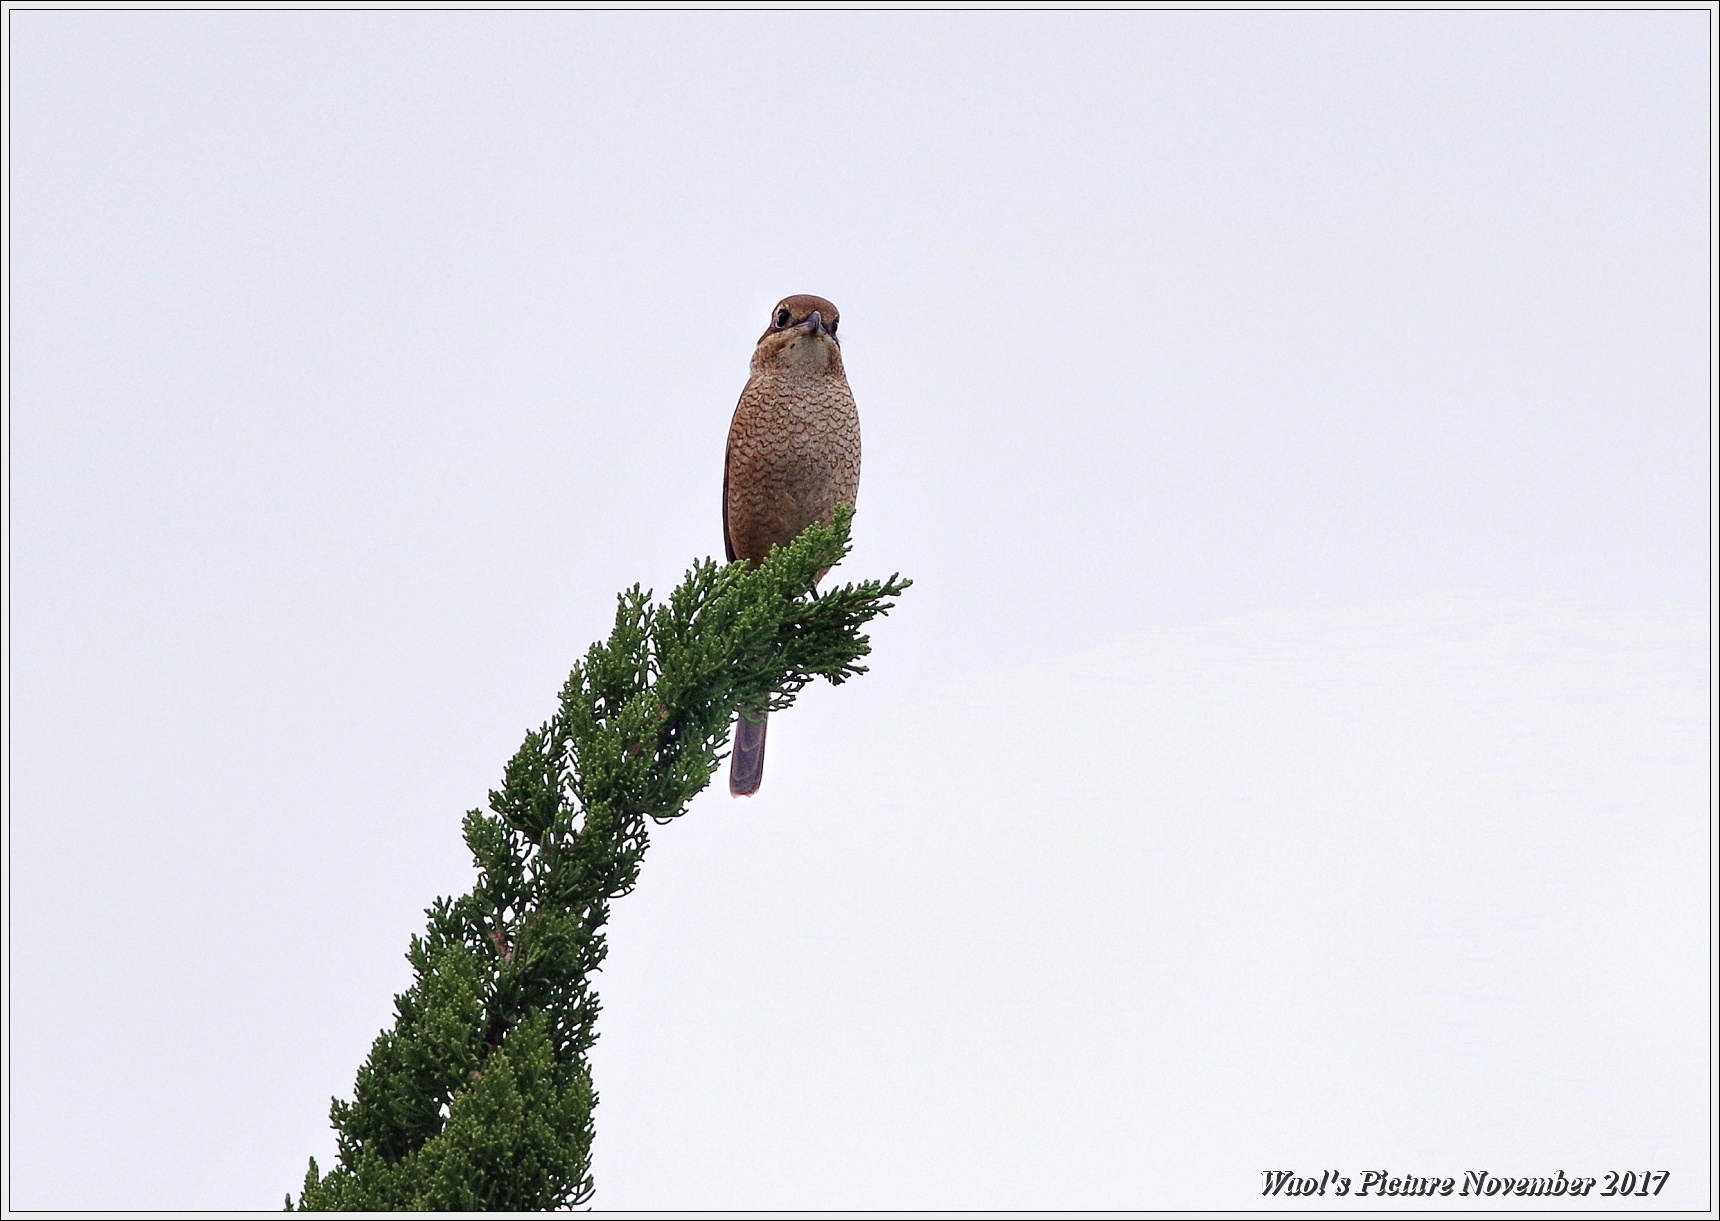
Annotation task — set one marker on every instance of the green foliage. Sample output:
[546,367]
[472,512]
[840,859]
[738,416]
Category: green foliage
[480,1097]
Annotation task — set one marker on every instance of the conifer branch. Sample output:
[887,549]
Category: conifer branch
[480,1096]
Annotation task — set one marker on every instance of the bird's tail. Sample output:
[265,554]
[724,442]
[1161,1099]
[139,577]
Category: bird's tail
[746,761]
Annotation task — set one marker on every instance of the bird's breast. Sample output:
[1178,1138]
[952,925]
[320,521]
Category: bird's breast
[799,421]
[794,455]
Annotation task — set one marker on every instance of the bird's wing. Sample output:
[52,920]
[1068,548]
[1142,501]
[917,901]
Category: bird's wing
[728,543]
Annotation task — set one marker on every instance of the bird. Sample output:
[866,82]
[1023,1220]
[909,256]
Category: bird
[793,455]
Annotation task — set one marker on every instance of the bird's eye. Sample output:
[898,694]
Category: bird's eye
[782,317]
[833,323]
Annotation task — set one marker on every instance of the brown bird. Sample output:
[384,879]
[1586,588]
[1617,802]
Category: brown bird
[793,456]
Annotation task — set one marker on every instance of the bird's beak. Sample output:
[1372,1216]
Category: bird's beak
[813,325]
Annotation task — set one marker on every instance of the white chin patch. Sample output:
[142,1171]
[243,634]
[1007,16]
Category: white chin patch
[809,350]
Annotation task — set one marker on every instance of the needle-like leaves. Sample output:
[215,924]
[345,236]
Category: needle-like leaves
[480,1097]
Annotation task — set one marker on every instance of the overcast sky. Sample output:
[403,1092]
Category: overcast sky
[1291,755]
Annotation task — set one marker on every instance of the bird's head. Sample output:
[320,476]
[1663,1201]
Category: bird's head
[801,334]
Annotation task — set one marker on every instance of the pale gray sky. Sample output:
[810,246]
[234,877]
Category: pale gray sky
[1292,753]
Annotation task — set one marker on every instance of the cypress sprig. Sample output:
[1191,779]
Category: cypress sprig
[480,1096]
